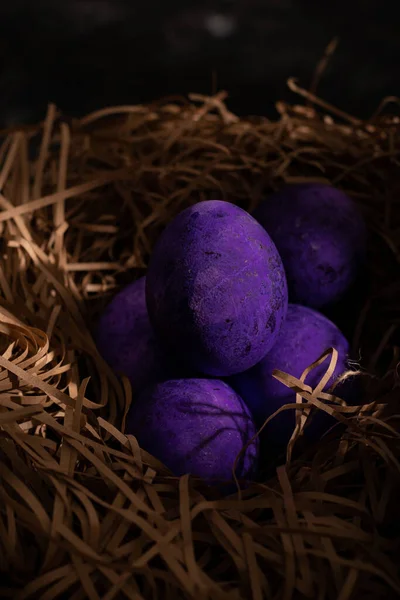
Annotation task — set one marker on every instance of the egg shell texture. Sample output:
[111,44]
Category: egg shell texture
[305,335]
[126,339]
[216,288]
[195,426]
[321,238]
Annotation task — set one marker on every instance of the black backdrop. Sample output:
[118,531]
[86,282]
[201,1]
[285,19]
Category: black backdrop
[84,54]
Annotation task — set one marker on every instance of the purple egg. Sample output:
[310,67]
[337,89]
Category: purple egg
[216,288]
[195,426]
[321,238]
[304,337]
[126,340]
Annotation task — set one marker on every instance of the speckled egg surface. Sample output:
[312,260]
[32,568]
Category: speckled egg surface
[216,288]
[195,426]
[305,335]
[126,340]
[321,238]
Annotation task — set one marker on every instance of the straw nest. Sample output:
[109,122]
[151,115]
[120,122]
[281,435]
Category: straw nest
[84,512]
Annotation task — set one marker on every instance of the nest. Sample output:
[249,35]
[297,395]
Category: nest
[86,513]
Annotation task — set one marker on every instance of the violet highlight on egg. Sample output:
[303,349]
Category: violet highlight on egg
[304,337]
[216,288]
[321,238]
[126,340]
[196,426]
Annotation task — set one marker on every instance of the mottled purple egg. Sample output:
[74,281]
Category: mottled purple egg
[304,337]
[196,426]
[126,340]
[321,238]
[216,288]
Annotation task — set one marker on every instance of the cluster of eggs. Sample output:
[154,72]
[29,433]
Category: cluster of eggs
[229,297]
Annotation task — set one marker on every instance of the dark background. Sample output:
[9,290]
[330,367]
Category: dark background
[85,54]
